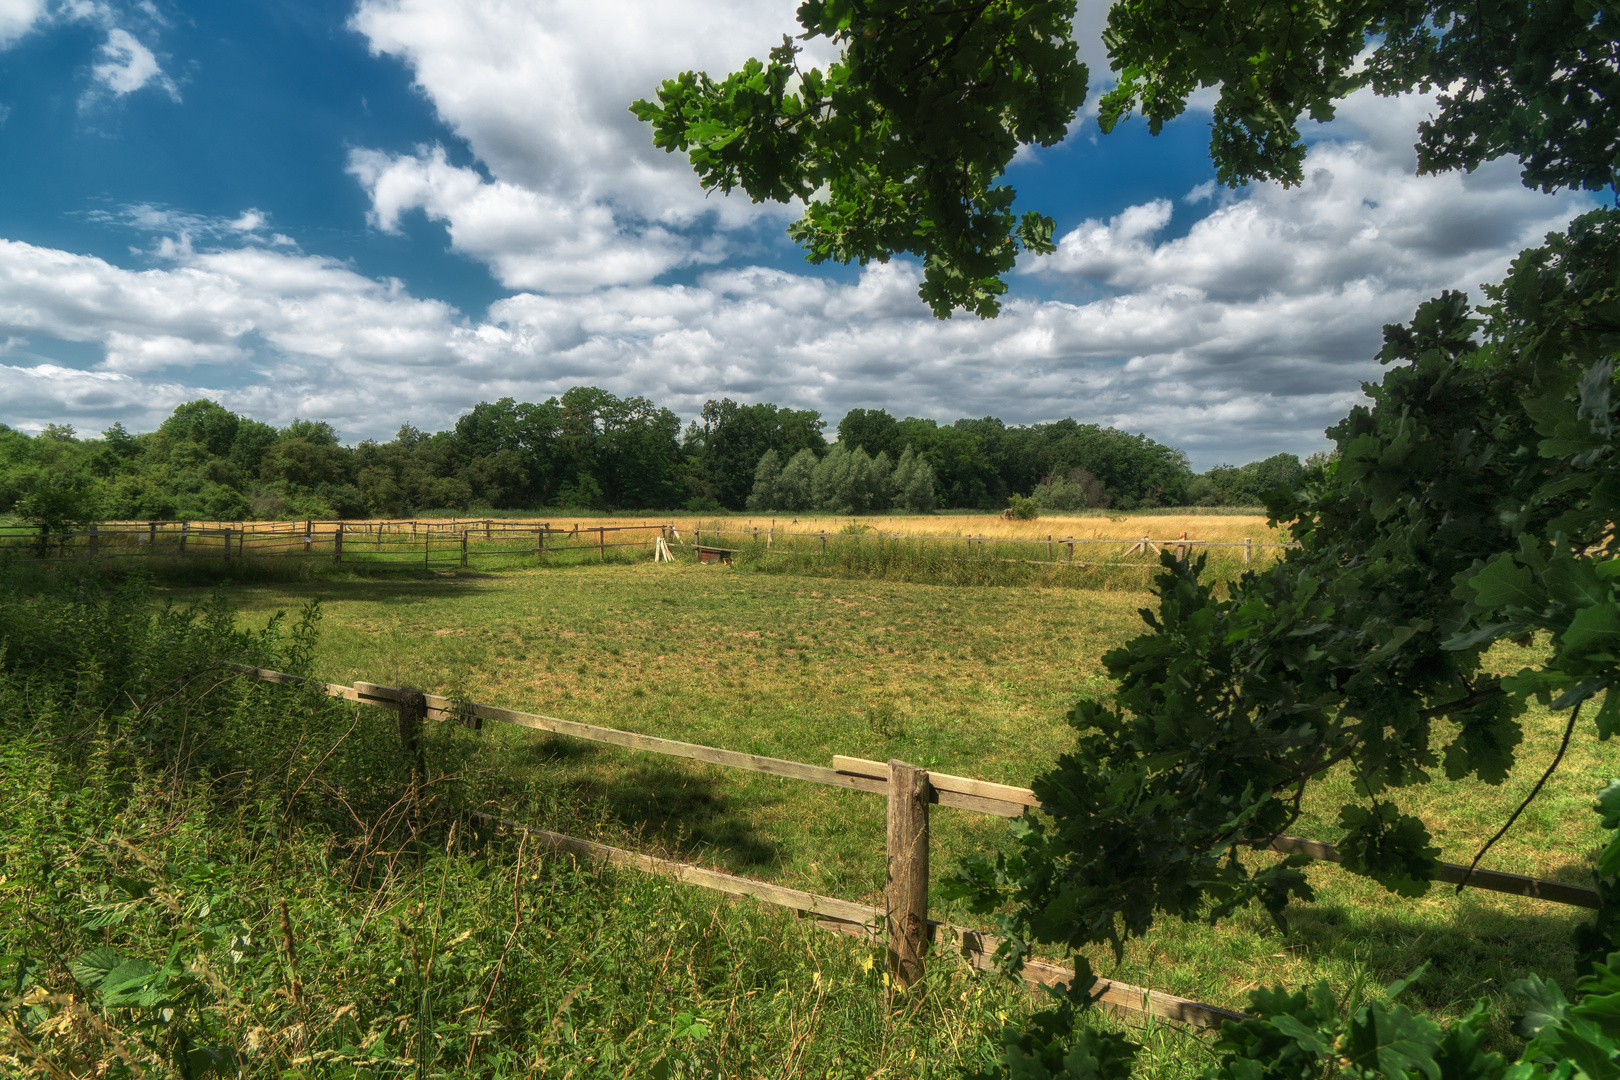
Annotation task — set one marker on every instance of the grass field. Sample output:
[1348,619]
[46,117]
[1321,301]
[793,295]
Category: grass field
[972,681]
[1087,551]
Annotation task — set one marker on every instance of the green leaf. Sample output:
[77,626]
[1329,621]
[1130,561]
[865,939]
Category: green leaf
[1391,848]
[1544,1004]
[124,984]
[91,968]
[1503,583]
[1593,629]
[1608,717]
[134,888]
[1394,1040]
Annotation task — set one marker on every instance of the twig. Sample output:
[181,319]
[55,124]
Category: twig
[1569,730]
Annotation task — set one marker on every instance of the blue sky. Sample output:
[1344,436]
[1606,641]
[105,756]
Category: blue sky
[383,212]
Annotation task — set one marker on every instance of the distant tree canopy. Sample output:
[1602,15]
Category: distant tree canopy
[592,450]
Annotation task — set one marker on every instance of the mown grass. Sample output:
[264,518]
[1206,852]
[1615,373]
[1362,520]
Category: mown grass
[967,680]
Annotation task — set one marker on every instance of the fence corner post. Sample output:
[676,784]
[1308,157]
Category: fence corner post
[906,894]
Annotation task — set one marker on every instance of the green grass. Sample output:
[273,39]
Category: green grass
[966,680]
[203,875]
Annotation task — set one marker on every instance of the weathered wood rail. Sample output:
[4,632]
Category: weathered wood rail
[428,543]
[903,923]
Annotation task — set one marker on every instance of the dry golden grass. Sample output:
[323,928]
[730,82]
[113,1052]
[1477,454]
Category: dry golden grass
[1160,527]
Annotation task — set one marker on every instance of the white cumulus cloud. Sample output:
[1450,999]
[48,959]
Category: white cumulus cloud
[126,66]
[540,93]
[17,17]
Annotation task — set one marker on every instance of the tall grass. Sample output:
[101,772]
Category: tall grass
[1002,563]
[207,874]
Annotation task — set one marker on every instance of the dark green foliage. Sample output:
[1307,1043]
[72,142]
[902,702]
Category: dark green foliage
[867,143]
[724,451]
[872,429]
[899,144]
[1245,485]
[587,450]
[1475,499]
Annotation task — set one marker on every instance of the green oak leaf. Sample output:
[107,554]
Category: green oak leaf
[1503,583]
[1593,629]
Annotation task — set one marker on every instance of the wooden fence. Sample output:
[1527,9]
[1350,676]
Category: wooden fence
[408,542]
[903,922]
[458,542]
[766,539]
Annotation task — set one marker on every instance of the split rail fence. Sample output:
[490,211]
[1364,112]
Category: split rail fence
[767,540]
[458,542]
[407,542]
[903,922]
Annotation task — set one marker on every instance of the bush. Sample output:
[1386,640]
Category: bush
[1024,508]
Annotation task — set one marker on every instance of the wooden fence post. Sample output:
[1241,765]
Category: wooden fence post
[1248,549]
[907,880]
[229,533]
[185,527]
[540,540]
[463,547]
[1048,547]
[1070,542]
[151,538]
[337,543]
[412,714]
[1181,549]
[95,545]
[601,543]
[824,541]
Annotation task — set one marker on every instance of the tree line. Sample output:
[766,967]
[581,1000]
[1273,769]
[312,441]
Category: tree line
[589,449]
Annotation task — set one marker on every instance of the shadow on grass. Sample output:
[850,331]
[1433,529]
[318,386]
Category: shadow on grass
[551,750]
[658,807]
[1469,948]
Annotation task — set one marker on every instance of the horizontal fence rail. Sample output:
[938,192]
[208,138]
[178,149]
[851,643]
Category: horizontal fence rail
[859,774]
[424,542]
[771,540]
[460,541]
